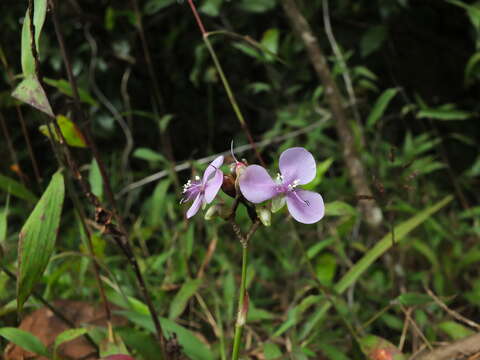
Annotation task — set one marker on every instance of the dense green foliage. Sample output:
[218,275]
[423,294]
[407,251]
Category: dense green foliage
[410,85]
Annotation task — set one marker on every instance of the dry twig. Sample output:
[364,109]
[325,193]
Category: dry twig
[370,210]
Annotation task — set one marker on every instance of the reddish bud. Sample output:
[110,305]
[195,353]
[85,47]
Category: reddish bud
[228,185]
[118,357]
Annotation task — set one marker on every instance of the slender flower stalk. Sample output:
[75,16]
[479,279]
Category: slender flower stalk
[226,85]
[242,309]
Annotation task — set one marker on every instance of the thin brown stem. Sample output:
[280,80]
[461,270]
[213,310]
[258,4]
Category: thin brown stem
[11,81]
[370,210]
[451,312]
[88,234]
[160,103]
[74,167]
[11,149]
[26,136]
[458,350]
[103,216]
[84,130]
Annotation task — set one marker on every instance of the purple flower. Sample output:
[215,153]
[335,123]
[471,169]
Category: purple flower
[297,167]
[204,190]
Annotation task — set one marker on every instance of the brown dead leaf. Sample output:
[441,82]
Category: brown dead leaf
[44,324]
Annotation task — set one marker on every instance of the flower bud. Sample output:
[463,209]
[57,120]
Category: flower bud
[239,170]
[228,186]
[118,357]
[217,210]
[212,212]
[265,215]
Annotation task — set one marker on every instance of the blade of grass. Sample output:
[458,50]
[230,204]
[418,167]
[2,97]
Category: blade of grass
[400,231]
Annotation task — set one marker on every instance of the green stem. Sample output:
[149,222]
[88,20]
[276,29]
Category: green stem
[228,89]
[242,313]
[231,96]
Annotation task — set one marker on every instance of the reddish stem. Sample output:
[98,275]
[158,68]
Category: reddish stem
[197,17]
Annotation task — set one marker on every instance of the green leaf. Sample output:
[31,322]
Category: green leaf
[153,6]
[31,92]
[4,223]
[278,202]
[401,231]
[14,188]
[444,114]
[372,40]
[472,11]
[375,348]
[109,21]
[322,168]
[380,106]
[148,155]
[70,132]
[25,340]
[339,208]
[271,351]
[211,7]
[180,301]
[412,299]
[257,6]
[66,336]
[455,330]
[39,13]
[112,345]
[64,87]
[472,69]
[326,267]
[164,122]
[294,314]
[157,209]
[257,314]
[95,179]
[247,50]
[37,238]
[270,42]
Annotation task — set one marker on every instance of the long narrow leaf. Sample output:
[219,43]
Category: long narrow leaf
[380,106]
[25,340]
[14,188]
[37,238]
[39,13]
[179,303]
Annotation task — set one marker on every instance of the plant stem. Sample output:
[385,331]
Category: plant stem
[231,96]
[243,295]
[119,232]
[226,85]
[370,210]
[242,313]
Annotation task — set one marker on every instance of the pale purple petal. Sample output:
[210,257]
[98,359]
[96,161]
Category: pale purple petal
[305,206]
[211,168]
[212,186]
[256,185]
[195,206]
[297,164]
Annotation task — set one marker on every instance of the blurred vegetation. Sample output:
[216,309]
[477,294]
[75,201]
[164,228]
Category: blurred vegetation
[414,67]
